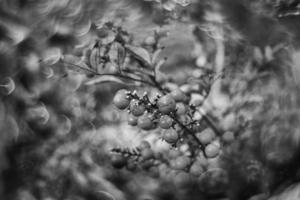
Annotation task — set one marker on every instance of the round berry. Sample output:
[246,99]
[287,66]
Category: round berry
[153,172]
[228,137]
[150,40]
[170,136]
[196,99]
[182,179]
[181,108]
[166,104]
[165,121]
[178,95]
[120,100]
[118,161]
[132,120]
[131,166]
[174,154]
[144,145]
[147,153]
[146,164]
[206,136]
[145,122]
[229,122]
[196,169]
[136,108]
[182,162]
[202,160]
[186,88]
[212,150]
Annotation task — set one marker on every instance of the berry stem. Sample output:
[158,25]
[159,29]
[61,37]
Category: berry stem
[210,122]
[190,133]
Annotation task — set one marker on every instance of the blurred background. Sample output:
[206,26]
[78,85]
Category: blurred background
[57,131]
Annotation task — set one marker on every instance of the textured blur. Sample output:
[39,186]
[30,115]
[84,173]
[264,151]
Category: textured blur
[57,128]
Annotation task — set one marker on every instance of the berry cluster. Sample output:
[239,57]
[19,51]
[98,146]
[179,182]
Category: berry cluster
[195,146]
[169,112]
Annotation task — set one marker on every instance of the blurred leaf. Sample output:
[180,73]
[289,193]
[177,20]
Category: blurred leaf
[83,28]
[48,72]
[9,85]
[268,53]
[105,78]
[105,195]
[183,2]
[51,55]
[169,6]
[140,54]
[258,55]
[11,127]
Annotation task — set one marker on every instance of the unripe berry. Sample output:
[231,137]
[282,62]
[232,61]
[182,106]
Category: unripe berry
[182,179]
[147,153]
[146,164]
[153,172]
[196,99]
[136,108]
[145,122]
[166,104]
[165,122]
[170,136]
[206,136]
[150,40]
[179,95]
[120,100]
[144,145]
[131,165]
[202,160]
[196,169]
[118,161]
[174,153]
[212,150]
[229,122]
[181,109]
[132,120]
[186,88]
[228,137]
[182,162]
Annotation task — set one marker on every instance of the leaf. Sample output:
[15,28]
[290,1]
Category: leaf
[156,54]
[140,54]
[159,64]
[105,78]
[95,58]
[117,54]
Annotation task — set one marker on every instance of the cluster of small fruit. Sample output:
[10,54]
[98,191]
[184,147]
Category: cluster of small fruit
[164,111]
[176,165]
[195,147]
